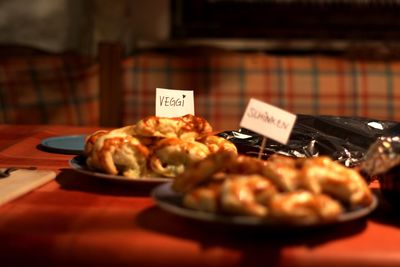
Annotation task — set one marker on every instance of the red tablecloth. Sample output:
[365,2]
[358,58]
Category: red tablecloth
[79,220]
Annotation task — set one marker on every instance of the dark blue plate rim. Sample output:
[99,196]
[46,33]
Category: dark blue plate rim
[67,144]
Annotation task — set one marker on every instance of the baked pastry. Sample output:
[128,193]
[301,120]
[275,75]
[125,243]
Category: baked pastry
[217,143]
[204,198]
[117,153]
[202,171]
[323,175]
[235,194]
[187,127]
[246,195]
[154,147]
[90,141]
[284,171]
[171,156]
[280,189]
[303,207]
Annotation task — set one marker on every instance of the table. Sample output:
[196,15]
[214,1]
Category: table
[78,220]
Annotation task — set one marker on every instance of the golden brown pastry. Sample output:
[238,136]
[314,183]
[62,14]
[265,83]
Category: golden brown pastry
[234,194]
[202,171]
[155,147]
[227,161]
[205,197]
[282,189]
[188,127]
[118,153]
[246,195]
[216,143]
[284,171]
[171,156]
[194,127]
[246,165]
[304,207]
[91,139]
[323,175]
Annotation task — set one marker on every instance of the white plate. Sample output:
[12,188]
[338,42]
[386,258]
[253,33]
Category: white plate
[171,201]
[78,163]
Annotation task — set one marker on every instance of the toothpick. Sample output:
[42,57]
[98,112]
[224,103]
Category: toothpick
[263,143]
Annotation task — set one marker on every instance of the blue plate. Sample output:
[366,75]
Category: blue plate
[68,144]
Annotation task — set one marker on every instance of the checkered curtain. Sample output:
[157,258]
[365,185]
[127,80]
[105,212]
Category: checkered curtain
[223,85]
[49,90]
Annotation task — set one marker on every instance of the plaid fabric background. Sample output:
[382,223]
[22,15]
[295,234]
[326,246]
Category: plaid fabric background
[49,90]
[223,85]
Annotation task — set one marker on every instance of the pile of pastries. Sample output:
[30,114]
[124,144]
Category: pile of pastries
[212,177]
[153,147]
[280,189]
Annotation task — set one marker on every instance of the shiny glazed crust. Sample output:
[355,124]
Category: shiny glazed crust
[154,147]
[188,127]
[298,191]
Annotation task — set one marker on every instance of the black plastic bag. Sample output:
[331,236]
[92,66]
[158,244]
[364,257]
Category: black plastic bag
[345,139]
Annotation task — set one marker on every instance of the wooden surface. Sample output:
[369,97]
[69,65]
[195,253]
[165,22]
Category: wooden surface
[21,182]
[78,220]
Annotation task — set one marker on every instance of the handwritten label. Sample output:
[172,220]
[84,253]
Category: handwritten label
[174,103]
[268,120]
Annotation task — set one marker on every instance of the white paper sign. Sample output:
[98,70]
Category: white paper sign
[174,103]
[268,120]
